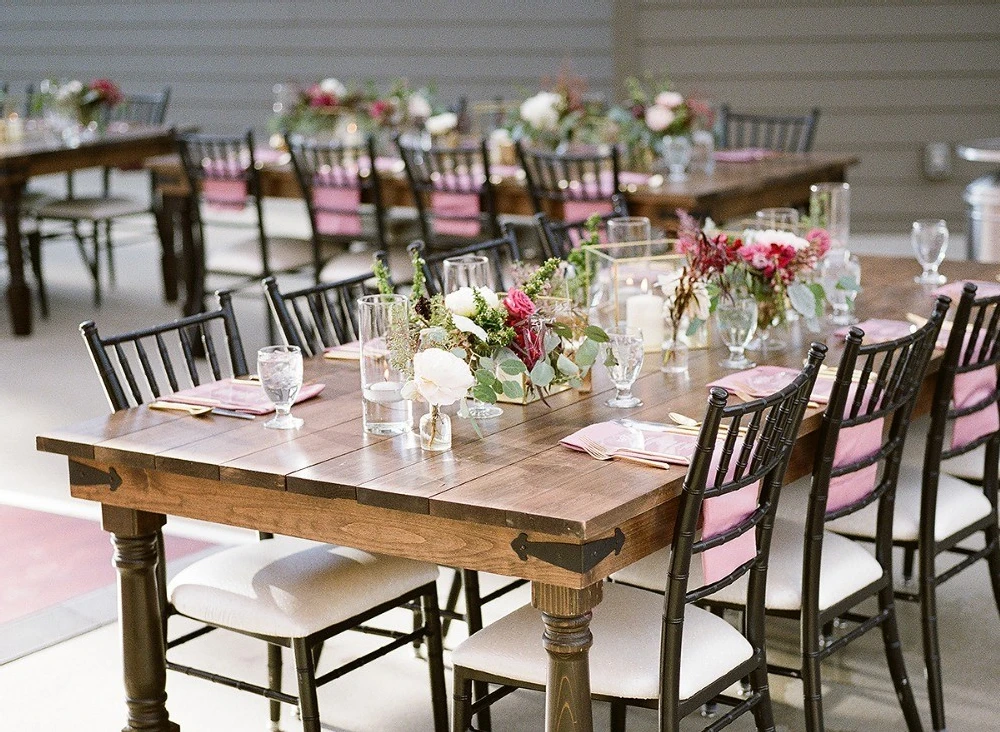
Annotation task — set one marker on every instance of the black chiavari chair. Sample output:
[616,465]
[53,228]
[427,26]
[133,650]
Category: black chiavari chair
[783,133]
[560,238]
[240,589]
[935,513]
[570,186]
[648,647]
[501,254]
[453,191]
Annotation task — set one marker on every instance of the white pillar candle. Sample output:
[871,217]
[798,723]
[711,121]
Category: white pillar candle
[645,312]
[383,392]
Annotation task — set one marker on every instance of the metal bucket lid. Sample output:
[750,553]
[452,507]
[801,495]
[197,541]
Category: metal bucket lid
[983,191]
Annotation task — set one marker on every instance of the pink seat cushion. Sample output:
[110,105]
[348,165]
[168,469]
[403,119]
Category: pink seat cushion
[456,214]
[336,210]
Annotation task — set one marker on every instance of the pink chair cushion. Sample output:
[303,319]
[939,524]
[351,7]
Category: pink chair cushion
[456,214]
[336,210]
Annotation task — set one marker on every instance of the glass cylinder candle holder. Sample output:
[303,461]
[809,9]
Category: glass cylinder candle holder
[830,209]
[384,322]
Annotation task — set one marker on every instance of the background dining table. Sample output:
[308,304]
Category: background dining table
[513,502]
[41,153]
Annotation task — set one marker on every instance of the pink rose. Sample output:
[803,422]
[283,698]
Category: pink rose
[658,118]
[519,306]
[669,99]
[820,239]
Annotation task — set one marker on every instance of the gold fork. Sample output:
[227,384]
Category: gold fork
[599,452]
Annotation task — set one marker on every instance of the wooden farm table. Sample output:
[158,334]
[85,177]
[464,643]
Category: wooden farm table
[39,155]
[734,189]
[514,503]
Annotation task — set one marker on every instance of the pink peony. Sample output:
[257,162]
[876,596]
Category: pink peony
[669,99]
[519,306]
[659,118]
[107,92]
[820,240]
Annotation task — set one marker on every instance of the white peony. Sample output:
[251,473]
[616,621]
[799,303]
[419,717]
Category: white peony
[441,123]
[418,107]
[462,301]
[669,99]
[332,86]
[468,325]
[658,118]
[542,111]
[439,377]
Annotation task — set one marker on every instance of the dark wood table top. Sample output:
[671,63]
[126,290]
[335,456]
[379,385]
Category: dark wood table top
[516,477]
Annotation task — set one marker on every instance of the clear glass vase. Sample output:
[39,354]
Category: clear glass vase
[676,347]
[435,430]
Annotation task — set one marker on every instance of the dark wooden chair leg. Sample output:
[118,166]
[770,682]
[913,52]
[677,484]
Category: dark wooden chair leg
[763,712]
[812,688]
[619,711]
[462,698]
[35,257]
[435,659]
[274,683]
[897,666]
[474,619]
[909,554]
[95,233]
[305,671]
[993,560]
[932,649]
[452,602]
[109,253]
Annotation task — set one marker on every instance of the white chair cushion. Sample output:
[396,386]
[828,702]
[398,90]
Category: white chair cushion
[846,568]
[290,588]
[243,256]
[968,465]
[958,505]
[353,263]
[625,657]
[95,209]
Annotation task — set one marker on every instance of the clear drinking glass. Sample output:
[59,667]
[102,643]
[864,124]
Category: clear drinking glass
[625,229]
[780,219]
[625,346]
[469,270]
[383,318]
[840,274]
[280,371]
[736,318]
[830,209]
[677,154]
[930,242]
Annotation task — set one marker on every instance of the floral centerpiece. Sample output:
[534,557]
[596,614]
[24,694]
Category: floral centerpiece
[81,103]
[561,114]
[655,111]
[503,342]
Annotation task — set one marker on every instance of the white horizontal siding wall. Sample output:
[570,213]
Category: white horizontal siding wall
[223,58]
[888,75]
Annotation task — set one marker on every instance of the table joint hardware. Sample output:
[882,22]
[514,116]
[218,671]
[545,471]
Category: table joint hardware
[579,558]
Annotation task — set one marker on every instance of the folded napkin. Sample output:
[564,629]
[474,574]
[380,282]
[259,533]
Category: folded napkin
[344,352]
[743,155]
[718,514]
[878,331]
[237,395]
[762,381]
[954,289]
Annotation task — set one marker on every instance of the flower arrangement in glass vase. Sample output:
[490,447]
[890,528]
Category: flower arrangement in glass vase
[775,267]
[656,120]
[561,114]
[72,103]
[505,346]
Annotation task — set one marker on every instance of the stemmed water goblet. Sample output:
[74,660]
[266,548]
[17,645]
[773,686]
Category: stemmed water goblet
[930,242]
[280,372]
[736,318]
[623,356]
[840,273]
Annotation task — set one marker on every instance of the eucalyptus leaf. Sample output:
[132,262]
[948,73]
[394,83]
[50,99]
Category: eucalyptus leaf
[610,360]
[566,366]
[595,334]
[586,354]
[504,354]
[812,324]
[513,366]
[696,323]
[848,283]
[459,353]
[542,374]
[484,394]
[561,329]
[552,341]
[802,299]
[512,390]
[820,294]
[485,362]
[484,377]
[576,383]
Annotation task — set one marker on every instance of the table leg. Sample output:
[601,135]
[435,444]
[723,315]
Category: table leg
[193,254]
[567,639]
[18,292]
[164,213]
[135,535]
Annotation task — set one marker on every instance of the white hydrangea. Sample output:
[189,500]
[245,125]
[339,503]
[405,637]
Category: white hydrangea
[542,111]
[332,86]
[784,238]
[441,123]
[418,107]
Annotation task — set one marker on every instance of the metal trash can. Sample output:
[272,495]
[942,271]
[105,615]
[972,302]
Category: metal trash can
[983,197]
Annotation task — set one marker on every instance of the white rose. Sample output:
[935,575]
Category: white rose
[440,377]
[332,86]
[784,238]
[500,136]
[669,99]
[419,107]
[441,123]
[69,90]
[463,302]
[542,111]
[658,118]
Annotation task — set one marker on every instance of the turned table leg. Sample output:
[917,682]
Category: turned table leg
[567,639]
[134,536]
[18,292]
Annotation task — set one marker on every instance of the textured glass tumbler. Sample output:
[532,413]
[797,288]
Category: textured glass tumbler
[280,372]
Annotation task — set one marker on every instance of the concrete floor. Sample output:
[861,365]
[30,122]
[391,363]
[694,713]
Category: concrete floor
[46,381]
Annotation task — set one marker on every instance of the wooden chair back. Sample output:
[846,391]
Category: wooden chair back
[569,178]
[559,238]
[784,133]
[501,253]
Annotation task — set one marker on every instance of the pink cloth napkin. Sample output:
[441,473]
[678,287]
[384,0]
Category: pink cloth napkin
[743,155]
[457,214]
[878,331]
[241,396]
[762,381]
[718,514]
[344,352]
[337,210]
[954,289]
